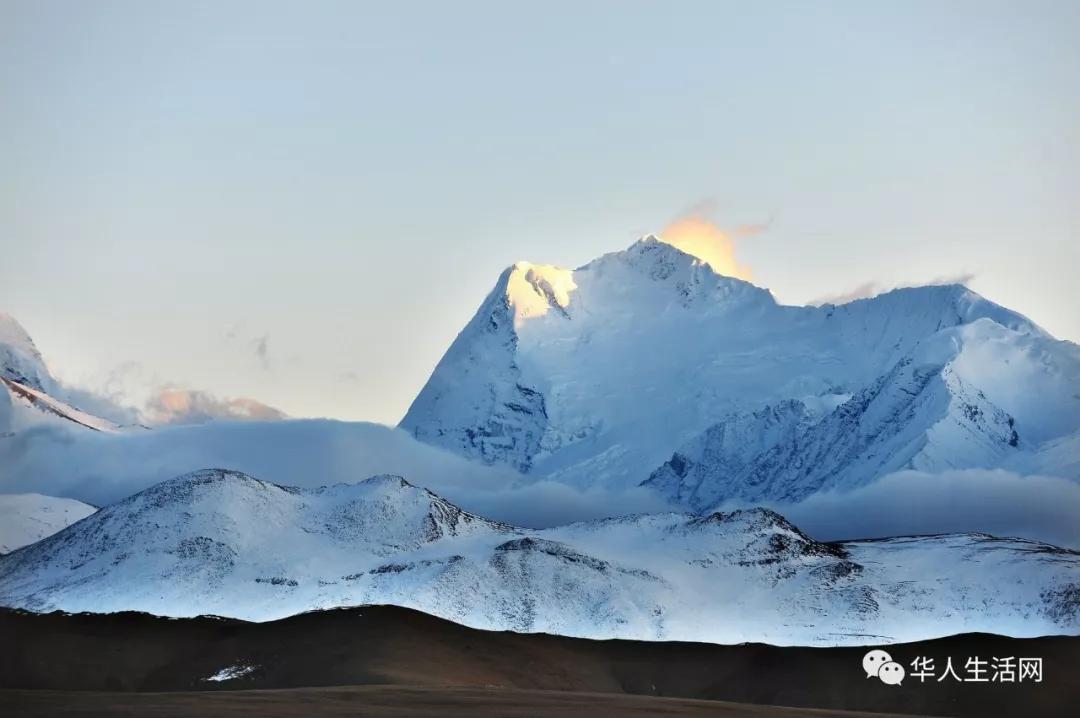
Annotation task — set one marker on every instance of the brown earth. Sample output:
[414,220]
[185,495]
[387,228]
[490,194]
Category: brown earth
[386,660]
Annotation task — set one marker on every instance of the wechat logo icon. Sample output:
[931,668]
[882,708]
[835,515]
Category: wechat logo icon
[879,663]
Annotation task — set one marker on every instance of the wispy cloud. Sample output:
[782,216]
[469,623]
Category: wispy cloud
[261,345]
[863,291]
[257,344]
[874,288]
[964,278]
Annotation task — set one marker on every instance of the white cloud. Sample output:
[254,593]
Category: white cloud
[100,469]
[874,288]
[550,503]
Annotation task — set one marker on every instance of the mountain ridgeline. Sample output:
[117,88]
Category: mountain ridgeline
[223,543]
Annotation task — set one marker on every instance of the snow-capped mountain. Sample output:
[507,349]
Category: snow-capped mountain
[597,375]
[26,518]
[29,394]
[224,543]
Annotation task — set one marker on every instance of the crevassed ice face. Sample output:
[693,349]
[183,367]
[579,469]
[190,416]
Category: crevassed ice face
[873,661]
[892,673]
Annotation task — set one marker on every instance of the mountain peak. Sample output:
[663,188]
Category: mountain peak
[692,274]
[389,481]
[14,334]
[20,360]
[527,290]
[652,252]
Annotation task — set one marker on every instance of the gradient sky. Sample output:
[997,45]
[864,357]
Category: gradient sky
[304,202]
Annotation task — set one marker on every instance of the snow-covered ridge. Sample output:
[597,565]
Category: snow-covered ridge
[224,543]
[596,375]
[26,397]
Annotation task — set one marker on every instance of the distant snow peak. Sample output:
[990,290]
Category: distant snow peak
[174,405]
[20,360]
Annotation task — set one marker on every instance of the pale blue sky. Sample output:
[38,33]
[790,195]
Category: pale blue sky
[181,181]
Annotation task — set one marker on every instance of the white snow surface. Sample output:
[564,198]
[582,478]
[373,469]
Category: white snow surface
[26,518]
[220,542]
[595,376]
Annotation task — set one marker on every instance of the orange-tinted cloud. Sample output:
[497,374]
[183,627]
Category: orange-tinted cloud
[703,239]
[191,406]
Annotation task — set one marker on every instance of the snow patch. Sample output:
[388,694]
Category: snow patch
[231,672]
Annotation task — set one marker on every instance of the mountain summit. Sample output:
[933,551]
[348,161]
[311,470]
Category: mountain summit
[20,360]
[600,375]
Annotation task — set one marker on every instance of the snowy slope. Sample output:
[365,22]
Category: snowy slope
[595,376]
[224,543]
[713,466]
[26,518]
[30,407]
[927,413]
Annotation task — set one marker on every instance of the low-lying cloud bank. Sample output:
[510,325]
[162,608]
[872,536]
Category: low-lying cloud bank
[549,503]
[101,468]
[993,501]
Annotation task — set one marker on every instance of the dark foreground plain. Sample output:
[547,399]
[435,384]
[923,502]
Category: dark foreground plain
[389,701]
[382,660]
